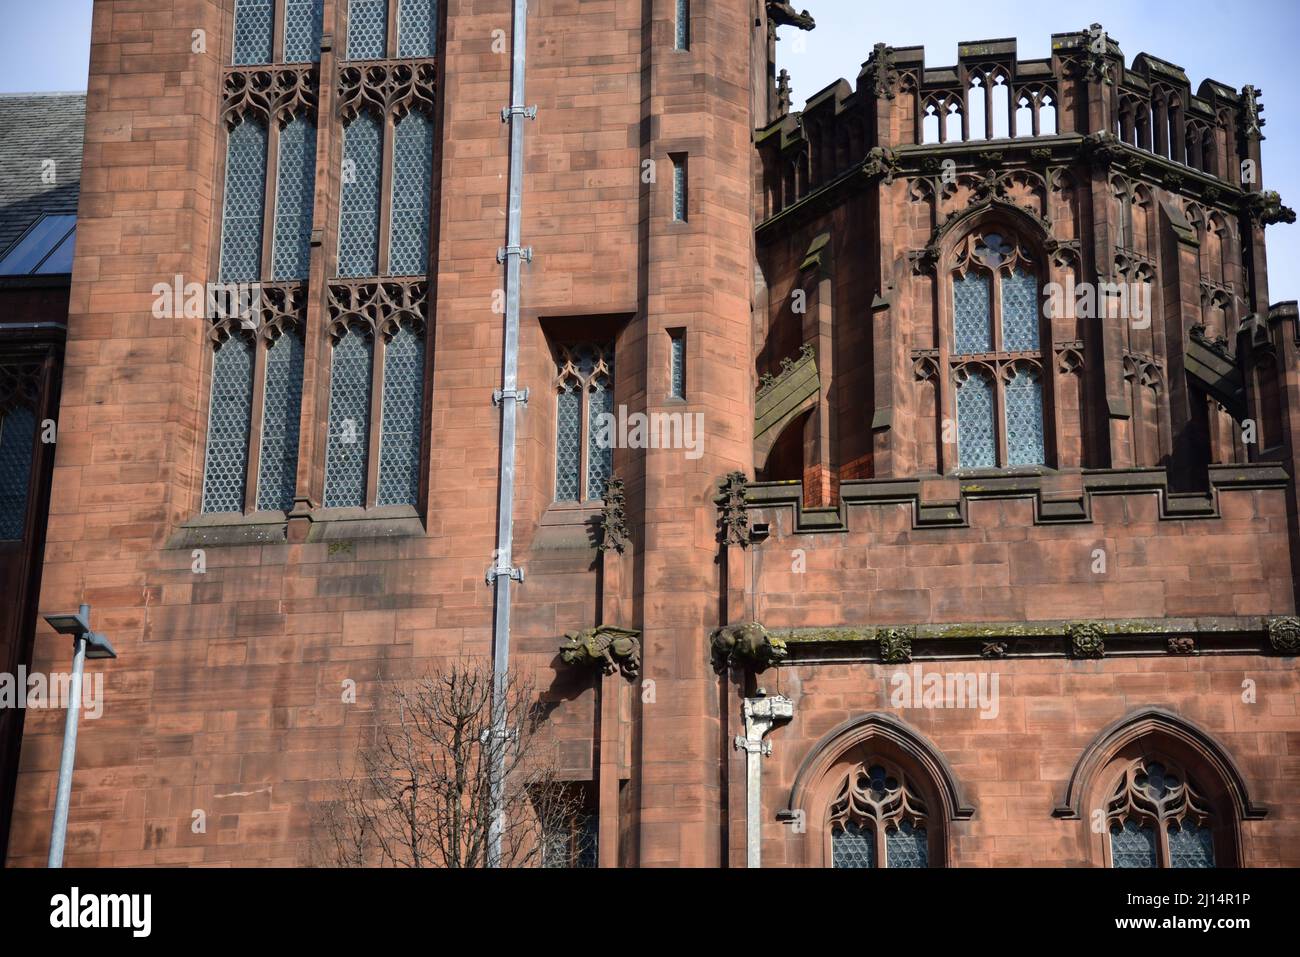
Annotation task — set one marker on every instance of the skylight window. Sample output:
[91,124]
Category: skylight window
[44,249]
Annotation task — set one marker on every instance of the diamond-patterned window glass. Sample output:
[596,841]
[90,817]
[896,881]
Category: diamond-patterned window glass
[588,832]
[244,201]
[600,447]
[408,244]
[367,29]
[1024,403]
[1190,845]
[417,28]
[302,29]
[359,204]
[682,39]
[679,366]
[972,329]
[906,846]
[1020,312]
[399,442]
[226,467]
[568,442]
[679,190]
[852,846]
[17,437]
[1132,846]
[977,446]
[278,465]
[294,194]
[346,450]
[253,31]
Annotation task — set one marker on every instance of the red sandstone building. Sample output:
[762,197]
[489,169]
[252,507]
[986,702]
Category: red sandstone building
[998,575]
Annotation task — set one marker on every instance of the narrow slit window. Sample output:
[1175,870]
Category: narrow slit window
[677,342]
[682,37]
[679,188]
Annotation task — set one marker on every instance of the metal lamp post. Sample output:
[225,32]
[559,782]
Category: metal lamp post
[85,644]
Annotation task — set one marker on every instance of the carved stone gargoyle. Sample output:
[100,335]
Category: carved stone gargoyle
[746,643]
[785,15]
[613,649]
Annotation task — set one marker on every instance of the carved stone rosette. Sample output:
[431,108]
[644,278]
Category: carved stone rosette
[1284,635]
[387,89]
[613,517]
[265,92]
[1182,645]
[1087,639]
[733,517]
[377,306]
[895,645]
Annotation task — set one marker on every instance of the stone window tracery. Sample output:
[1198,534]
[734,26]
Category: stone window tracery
[878,819]
[995,358]
[1156,817]
[584,385]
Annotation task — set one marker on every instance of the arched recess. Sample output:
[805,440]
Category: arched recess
[877,739]
[1136,742]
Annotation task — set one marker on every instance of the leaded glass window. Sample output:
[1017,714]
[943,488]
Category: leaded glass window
[1157,817]
[973,330]
[399,440]
[584,442]
[244,203]
[226,467]
[347,448]
[977,444]
[572,843]
[682,35]
[678,371]
[367,29]
[17,440]
[679,189]
[359,202]
[1024,405]
[1020,312]
[417,28]
[295,189]
[996,316]
[878,819]
[302,30]
[408,246]
[281,407]
[852,846]
[253,32]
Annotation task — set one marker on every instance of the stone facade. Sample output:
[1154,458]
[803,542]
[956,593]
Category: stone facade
[850,532]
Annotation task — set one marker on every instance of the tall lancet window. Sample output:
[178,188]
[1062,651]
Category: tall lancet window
[995,356]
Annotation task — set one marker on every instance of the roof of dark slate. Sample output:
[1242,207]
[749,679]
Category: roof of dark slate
[35,127]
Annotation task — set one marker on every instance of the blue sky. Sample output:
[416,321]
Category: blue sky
[1233,41]
[45,46]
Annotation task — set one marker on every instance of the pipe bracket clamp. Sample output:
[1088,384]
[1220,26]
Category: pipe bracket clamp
[529,112]
[495,572]
[525,253]
[500,395]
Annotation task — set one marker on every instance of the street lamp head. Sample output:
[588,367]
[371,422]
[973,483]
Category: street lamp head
[75,624]
[98,646]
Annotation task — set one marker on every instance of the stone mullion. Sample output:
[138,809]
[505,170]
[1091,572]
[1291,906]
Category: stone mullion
[386,192]
[273,130]
[256,412]
[309,480]
[278,10]
[373,436]
[390,41]
[988,106]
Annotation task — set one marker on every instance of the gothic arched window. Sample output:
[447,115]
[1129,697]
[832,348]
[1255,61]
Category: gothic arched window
[399,440]
[281,406]
[878,819]
[244,200]
[408,244]
[359,202]
[295,191]
[584,384]
[1157,817]
[995,356]
[226,467]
